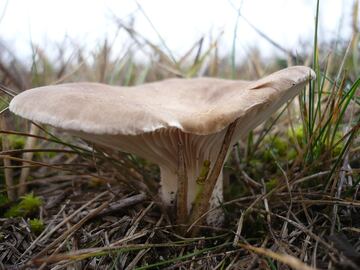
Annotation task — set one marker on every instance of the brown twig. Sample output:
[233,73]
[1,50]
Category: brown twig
[9,180]
[289,260]
[121,204]
[68,233]
[200,208]
[181,202]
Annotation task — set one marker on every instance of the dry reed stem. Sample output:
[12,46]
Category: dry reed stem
[141,253]
[47,229]
[131,234]
[283,258]
[200,208]
[242,217]
[29,144]
[91,252]
[121,204]
[65,236]
[182,194]
[8,172]
[68,233]
[42,164]
[58,226]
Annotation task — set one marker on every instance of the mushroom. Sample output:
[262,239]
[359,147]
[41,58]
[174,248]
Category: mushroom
[153,119]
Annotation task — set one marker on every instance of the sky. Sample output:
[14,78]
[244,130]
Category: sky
[179,23]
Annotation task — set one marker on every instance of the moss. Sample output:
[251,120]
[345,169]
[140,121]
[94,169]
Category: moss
[3,200]
[13,212]
[267,155]
[95,182]
[28,205]
[235,189]
[48,155]
[256,164]
[280,145]
[256,167]
[16,141]
[36,226]
[280,149]
[44,155]
[271,184]
[204,171]
[291,154]
[277,146]
[296,135]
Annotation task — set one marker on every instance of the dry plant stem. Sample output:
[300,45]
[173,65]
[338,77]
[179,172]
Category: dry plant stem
[181,207]
[257,200]
[65,237]
[68,233]
[131,232]
[48,227]
[266,206]
[8,91]
[341,181]
[56,167]
[255,259]
[284,228]
[74,244]
[12,77]
[29,144]
[127,202]
[307,231]
[203,205]
[141,253]
[247,179]
[91,252]
[58,226]
[342,175]
[9,180]
[22,151]
[291,261]
[242,217]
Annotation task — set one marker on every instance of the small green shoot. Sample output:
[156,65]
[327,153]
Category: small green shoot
[28,205]
[36,225]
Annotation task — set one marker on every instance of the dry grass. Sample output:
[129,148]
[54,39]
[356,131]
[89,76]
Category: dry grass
[292,198]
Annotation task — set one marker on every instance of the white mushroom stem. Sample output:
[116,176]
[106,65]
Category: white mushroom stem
[161,147]
[169,188]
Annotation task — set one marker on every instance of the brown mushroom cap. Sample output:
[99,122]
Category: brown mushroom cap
[199,106]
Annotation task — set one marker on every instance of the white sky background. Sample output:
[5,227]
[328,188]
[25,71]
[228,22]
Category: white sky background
[180,23]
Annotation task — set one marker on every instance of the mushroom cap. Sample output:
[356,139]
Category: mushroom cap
[199,106]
